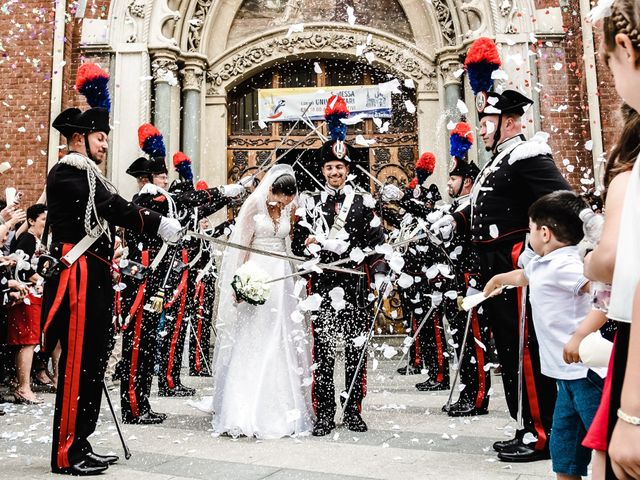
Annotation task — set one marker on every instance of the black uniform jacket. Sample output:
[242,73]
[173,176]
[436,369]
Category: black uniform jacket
[520,173]
[361,234]
[67,197]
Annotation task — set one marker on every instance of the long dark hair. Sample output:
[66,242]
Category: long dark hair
[627,148]
[284,185]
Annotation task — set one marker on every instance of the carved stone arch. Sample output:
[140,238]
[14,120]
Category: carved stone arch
[392,54]
[260,52]
[211,37]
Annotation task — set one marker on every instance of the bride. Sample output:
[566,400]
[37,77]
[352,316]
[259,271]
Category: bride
[262,356]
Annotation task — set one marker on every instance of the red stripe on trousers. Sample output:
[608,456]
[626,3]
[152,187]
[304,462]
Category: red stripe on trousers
[200,297]
[73,368]
[475,326]
[416,343]
[137,311]
[529,378]
[440,376]
[182,288]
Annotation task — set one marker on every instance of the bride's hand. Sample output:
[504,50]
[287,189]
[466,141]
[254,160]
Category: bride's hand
[310,240]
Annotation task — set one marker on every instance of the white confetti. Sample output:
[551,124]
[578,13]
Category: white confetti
[317,68]
[462,107]
[360,140]
[351,18]
[337,298]
[493,231]
[499,75]
[411,108]
[311,303]
[295,28]
[557,66]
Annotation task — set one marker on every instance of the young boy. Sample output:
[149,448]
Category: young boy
[559,305]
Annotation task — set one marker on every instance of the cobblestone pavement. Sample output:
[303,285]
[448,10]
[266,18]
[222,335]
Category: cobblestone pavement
[409,437]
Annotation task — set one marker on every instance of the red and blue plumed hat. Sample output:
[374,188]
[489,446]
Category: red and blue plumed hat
[182,165]
[335,148]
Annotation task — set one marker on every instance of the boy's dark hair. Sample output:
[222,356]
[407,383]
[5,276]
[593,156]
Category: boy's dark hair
[559,212]
[35,210]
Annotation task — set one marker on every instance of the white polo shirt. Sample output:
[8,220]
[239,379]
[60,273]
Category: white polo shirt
[558,306]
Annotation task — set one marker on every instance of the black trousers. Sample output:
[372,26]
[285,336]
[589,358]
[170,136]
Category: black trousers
[77,308]
[200,334]
[503,311]
[430,347]
[178,309]
[351,322]
[138,345]
[474,375]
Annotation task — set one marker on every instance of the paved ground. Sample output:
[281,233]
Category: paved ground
[409,437]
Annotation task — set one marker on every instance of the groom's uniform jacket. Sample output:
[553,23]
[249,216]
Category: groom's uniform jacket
[141,324]
[363,229]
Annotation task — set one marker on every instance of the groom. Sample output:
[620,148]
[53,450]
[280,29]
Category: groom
[332,225]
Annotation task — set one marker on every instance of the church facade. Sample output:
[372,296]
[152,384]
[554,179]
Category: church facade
[194,68]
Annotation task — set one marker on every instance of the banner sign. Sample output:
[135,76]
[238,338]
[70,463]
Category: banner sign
[288,104]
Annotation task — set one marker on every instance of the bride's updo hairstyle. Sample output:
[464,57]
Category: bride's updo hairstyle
[284,185]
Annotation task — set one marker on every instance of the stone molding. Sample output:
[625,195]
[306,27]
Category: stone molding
[390,53]
[164,67]
[192,74]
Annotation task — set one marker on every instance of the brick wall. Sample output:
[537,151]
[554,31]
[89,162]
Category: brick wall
[563,97]
[26,43]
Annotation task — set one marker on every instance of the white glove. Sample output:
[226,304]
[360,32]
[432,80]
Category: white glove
[149,188]
[170,230]
[232,190]
[443,226]
[391,193]
[435,216]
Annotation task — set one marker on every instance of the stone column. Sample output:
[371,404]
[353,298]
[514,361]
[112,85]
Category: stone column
[213,167]
[452,86]
[429,110]
[164,69]
[192,75]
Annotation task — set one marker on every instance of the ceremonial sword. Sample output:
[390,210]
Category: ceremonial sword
[281,256]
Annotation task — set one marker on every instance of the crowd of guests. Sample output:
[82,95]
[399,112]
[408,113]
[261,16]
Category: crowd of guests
[22,365]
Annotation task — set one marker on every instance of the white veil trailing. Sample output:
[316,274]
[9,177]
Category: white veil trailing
[232,259]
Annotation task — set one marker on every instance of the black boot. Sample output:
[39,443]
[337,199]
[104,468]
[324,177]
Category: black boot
[408,370]
[83,467]
[432,386]
[105,459]
[144,419]
[353,421]
[466,409]
[323,427]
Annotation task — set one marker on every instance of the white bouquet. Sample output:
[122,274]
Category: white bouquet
[251,284]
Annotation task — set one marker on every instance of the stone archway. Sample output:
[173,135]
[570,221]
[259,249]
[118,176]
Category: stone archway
[187,53]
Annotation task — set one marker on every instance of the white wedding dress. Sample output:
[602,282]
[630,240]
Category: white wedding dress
[262,358]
